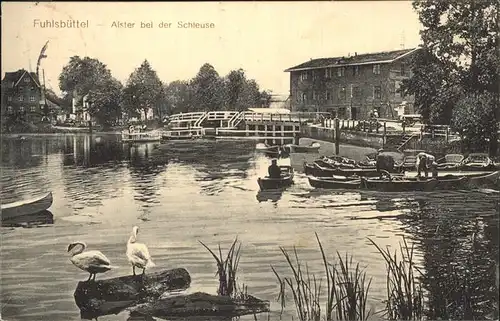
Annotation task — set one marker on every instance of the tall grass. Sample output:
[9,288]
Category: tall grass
[404,293]
[346,289]
[227,269]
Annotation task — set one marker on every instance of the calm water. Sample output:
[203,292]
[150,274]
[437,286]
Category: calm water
[184,192]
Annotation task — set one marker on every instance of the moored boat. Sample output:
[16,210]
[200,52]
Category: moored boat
[485,180]
[313,148]
[398,184]
[141,137]
[26,207]
[321,171]
[334,183]
[451,162]
[477,161]
[285,180]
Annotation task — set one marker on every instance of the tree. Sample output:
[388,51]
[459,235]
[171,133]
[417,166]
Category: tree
[265,98]
[241,93]
[207,89]
[89,76]
[105,103]
[458,64]
[143,91]
[178,95]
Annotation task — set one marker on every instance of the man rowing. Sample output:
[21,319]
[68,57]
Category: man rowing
[274,170]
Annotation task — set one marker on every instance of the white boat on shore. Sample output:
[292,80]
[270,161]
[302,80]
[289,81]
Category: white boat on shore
[26,207]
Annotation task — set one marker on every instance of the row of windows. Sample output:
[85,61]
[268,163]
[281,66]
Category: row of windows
[10,109]
[21,98]
[340,72]
[342,94]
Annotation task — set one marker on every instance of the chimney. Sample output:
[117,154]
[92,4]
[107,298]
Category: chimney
[355,53]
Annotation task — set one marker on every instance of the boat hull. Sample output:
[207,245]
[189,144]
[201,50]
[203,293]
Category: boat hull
[385,185]
[27,207]
[331,183]
[286,179]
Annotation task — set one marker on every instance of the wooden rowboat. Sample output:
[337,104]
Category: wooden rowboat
[398,184]
[334,183]
[26,207]
[285,180]
[313,148]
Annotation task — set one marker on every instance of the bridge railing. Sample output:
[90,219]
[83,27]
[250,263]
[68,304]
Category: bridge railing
[186,116]
[221,115]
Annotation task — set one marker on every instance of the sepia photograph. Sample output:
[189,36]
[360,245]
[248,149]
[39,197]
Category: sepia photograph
[259,160]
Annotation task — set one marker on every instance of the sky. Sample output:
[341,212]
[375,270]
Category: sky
[263,38]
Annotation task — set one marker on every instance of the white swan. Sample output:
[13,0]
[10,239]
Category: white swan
[137,253]
[91,261]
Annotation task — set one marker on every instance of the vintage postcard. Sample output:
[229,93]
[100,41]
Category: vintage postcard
[305,161]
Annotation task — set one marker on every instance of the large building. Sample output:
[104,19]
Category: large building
[22,97]
[353,87]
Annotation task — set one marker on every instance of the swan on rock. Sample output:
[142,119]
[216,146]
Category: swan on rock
[91,261]
[138,253]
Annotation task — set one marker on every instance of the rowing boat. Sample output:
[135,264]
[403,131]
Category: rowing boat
[285,180]
[313,148]
[398,184]
[26,207]
[334,183]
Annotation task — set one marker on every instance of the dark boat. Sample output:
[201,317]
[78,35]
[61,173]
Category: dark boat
[334,183]
[398,184]
[26,207]
[285,180]
[321,171]
[485,180]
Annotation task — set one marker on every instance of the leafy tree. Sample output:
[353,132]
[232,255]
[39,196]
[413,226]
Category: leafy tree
[144,90]
[105,103]
[89,76]
[458,65]
[471,119]
[265,98]
[207,89]
[178,95]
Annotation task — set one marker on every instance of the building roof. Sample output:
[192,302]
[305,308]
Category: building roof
[363,59]
[16,76]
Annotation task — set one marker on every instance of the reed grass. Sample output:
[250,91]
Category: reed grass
[227,270]
[346,289]
[405,300]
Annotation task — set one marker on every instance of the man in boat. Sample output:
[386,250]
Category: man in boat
[426,162]
[274,170]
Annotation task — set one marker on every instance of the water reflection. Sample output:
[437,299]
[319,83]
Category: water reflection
[33,220]
[459,249]
[270,195]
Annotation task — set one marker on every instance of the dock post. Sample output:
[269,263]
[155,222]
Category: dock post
[447,134]
[384,137]
[337,136]
[403,125]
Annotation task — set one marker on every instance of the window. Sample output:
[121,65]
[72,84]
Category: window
[376,69]
[328,96]
[397,89]
[340,72]
[328,73]
[315,96]
[377,92]
[32,98]
[342,93]
[303,75]
[315,74]
[9,109]
[26,79]
[355,71]
[21,109]
[33,108]
[355,93]
[20,98]
[403,69]
[304,97]
[9,98]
